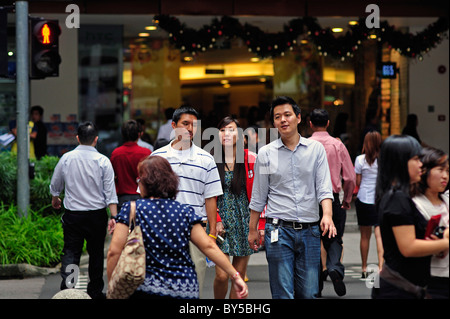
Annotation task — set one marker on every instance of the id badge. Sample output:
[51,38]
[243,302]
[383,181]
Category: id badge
[274,236]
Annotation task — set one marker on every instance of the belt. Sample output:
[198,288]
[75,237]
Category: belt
[291,224]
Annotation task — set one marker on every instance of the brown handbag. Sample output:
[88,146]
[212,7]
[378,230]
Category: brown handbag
[129,273]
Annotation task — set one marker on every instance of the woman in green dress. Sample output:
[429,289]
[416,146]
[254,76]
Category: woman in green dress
[236,173]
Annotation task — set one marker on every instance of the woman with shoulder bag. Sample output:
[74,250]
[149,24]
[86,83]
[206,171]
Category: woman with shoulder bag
[167,226]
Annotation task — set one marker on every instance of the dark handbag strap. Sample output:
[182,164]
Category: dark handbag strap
[397,280]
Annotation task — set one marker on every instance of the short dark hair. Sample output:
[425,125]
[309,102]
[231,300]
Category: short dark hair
[168,113]
[319,117]
[184,109]
[37,108]
[158,178]
[281,100]
[131,130]
[393,172]
[87,132]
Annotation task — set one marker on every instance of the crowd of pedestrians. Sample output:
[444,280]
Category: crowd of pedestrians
[193,205]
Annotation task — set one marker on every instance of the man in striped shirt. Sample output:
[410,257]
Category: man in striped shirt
[199,179]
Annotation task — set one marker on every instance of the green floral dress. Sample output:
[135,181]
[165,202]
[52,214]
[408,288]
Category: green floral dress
[235,215]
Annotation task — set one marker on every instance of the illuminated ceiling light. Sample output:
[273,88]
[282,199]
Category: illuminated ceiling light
[188,59]
[337,30]
[144,34]
[254,59]
[151,27]
[353,22]
[10,53]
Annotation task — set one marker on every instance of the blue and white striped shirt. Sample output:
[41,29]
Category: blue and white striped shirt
[197,170]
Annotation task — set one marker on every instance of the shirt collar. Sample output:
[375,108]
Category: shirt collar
[321,133]
[302,141]
[87,148]
[171,152]
[129,143]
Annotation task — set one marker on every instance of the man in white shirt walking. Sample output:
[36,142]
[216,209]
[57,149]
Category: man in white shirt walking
[88,179]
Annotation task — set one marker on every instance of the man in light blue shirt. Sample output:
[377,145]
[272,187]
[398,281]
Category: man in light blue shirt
[291,177]
[88,180]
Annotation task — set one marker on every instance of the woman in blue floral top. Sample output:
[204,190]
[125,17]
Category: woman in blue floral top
[167,226]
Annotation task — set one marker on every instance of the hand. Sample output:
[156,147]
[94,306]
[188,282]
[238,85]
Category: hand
[253,239]
[56,202]
[219,228]
[261,233]
[327,225]
[345,205]
[239,286]
[111,225]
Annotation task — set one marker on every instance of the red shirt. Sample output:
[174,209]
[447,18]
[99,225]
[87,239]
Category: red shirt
[125,160]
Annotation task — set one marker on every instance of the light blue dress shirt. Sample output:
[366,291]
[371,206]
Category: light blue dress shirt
[292,183]
[87,177]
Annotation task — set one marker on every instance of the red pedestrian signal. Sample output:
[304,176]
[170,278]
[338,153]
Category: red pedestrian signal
[44,57]
[46,34]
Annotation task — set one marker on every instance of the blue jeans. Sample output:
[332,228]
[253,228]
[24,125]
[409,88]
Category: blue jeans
[294,262]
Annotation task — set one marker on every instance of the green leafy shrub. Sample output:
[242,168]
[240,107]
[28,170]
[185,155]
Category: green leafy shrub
[36,239]
[40,197]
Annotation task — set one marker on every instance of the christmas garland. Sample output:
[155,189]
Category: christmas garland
[272,45]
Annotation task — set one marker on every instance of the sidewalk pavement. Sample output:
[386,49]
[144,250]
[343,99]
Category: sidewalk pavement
[45,287]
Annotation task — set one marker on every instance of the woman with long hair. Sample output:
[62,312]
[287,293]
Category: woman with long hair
[431,199]
[235,166]
[407,254]
[366,169]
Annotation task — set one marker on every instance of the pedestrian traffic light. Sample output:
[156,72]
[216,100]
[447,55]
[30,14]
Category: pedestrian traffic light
[44,57]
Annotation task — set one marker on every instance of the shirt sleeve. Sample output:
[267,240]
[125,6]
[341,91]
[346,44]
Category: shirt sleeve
[324,187]
[57,182]
[260,189]
[358,165]
[109,187]
[124,215]
[348,174]
[213,185]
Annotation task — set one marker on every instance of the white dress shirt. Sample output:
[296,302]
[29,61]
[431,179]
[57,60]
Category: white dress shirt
[87,178]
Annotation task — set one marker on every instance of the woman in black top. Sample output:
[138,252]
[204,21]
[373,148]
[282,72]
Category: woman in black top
[407,254]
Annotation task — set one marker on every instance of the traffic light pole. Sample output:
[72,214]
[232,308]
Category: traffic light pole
[23,101]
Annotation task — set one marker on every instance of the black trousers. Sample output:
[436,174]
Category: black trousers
[79,226]
[333,245]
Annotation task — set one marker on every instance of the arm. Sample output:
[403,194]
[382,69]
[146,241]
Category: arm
[326,224]
[112,221]
[253,234]
[118,241]
[213,252]
[348,176]
[358,179]
[57,185]
[410,246]
[211,214]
